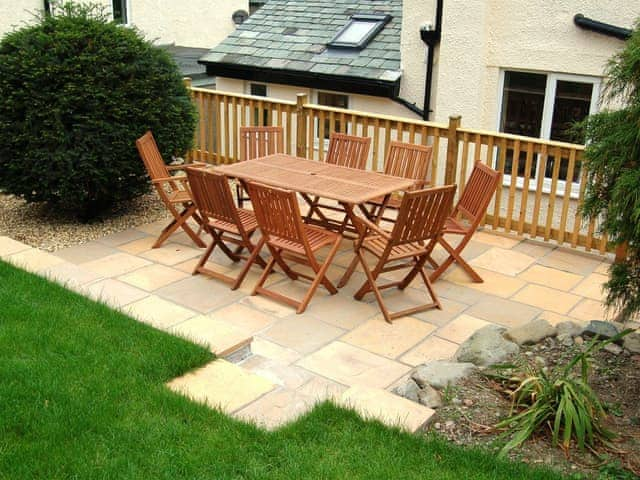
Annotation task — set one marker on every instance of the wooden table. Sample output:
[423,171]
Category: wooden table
[347,186]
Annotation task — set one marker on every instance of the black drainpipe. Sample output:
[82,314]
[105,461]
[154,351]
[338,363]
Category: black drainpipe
[432,39]
[600,27]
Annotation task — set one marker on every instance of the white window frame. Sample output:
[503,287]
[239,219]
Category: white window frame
[547,117]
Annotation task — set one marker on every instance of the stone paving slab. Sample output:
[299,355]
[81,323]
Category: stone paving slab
[223,385]
[9,246]
[390,409]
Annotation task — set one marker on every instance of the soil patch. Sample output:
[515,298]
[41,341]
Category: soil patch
[476,404]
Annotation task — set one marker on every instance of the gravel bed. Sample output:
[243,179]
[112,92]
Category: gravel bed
[47,228]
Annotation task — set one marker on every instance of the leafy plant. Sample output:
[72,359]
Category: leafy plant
[611,160]
[77,90]
[560,399]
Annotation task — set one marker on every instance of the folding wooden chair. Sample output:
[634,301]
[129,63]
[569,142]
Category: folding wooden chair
[223,221]
[466,217]
[345,151]
[171,189]
[404,160]
[288,238]
[415,233]
[258,142]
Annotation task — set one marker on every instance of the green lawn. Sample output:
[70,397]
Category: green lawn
[82,396]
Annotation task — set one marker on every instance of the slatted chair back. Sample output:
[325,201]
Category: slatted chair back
[348,150]
[409,161]
[277,212]
[153,162]
[422,215]
[258,142]
[477,194]
[212,195]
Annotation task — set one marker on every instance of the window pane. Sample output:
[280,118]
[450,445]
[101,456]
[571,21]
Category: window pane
[332,100]
[522,106]
[259,89]
[356,31]
[119,11]
[572,103]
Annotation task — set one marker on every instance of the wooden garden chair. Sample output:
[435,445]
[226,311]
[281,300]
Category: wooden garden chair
[345,151]
[466,218]
[223,221]
[404,160]
[409,244]
[288,238]
[258,142]
[172,190]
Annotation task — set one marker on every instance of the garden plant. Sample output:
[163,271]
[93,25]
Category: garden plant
[77,90]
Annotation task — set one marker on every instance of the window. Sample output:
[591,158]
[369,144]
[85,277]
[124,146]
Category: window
[120,13]
[259,90]
[360,30]
[332,100]
[545,106]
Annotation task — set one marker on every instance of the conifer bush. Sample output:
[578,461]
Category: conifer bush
[76,91]
[612,161]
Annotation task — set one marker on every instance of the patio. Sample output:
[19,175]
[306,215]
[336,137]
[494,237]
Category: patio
[278,364]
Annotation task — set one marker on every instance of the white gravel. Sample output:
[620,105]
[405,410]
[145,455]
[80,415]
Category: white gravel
[47,228]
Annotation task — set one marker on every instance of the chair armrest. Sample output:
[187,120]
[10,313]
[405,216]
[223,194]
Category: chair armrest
[176,178]
[182,166]
[372,226]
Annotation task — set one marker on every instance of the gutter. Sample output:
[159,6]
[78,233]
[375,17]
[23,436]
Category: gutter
[431,37]
[324,81]
[599,27]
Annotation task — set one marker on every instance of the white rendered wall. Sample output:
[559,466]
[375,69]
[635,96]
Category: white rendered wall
[482,37]
[17,14]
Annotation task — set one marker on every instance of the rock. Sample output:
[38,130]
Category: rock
[440,373]
[437,425]
[531,332]
[613,348]
[486,347]
[467,402]
[449,424]
[603,329]
[430,397]
[632,342]
[528,353]
[579,340]
[408,390]
[569,328]
[565,339]
[456,401]
[540,362]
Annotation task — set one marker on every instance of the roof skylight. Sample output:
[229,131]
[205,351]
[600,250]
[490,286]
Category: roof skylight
[360,30]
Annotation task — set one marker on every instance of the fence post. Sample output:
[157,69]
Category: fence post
[621,253]
[190,154]
[452,150]
[301,126]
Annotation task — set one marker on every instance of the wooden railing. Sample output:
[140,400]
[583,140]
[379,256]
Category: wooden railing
[529,202]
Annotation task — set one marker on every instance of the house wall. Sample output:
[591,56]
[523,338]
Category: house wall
[12,16]
[364,103]
[481,38]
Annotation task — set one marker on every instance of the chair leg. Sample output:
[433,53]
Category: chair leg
[255,255]
[178,221]
[347,275]
[205,256]
[454,255]
[320,277]
[371,282]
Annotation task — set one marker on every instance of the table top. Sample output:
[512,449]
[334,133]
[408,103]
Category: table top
[325,180]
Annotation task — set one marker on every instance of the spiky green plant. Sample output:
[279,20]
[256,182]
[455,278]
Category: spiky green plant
[560,399]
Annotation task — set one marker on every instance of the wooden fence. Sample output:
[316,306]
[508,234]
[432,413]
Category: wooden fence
[537,197]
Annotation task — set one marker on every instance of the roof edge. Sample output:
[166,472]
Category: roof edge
[323,81]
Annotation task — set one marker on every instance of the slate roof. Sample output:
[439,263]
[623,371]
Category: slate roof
[292,35]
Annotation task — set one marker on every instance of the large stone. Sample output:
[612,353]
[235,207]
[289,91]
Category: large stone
[408,390]
[603,329]
[430,397]
[486,347]
[632,342]
[572,329]
[441,373]
[531,332]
